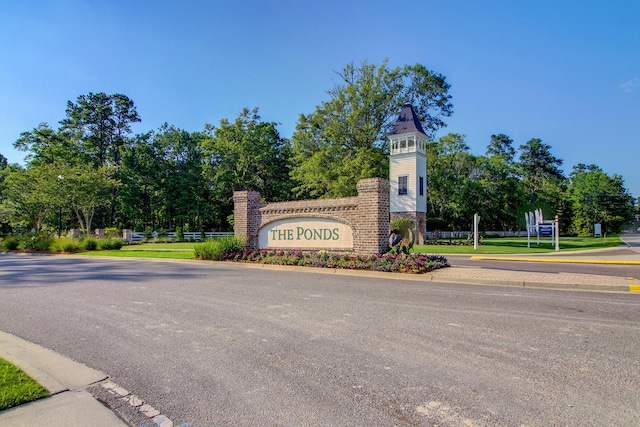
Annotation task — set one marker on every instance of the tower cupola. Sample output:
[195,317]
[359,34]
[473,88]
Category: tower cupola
[407,135]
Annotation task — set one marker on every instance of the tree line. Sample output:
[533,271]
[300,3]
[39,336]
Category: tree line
[93,172]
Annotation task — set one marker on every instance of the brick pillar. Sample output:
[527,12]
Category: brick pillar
[246,216]
[372,226]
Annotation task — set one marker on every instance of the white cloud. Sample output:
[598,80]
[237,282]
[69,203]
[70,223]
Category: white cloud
[631,85]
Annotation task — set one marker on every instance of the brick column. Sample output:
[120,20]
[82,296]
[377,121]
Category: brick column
[372,226]
[246,216]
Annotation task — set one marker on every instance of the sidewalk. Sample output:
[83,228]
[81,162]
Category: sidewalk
[528,279]
[70,404]
[72,386]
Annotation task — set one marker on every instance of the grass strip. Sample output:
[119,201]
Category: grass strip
[518,245]
[140,254]
[16,387]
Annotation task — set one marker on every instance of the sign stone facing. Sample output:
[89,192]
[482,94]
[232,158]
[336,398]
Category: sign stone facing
[359,224]
[306,233]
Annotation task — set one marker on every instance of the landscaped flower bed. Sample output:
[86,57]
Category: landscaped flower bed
[400,263]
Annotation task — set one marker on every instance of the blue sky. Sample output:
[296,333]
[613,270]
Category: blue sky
[567,72]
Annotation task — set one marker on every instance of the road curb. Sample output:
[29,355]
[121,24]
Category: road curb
[539,285]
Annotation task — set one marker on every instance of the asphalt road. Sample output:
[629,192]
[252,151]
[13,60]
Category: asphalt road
[218,345]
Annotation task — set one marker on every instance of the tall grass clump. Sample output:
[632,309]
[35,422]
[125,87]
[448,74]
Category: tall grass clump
[216,250]
[64,245]
[110,244]
[10,243]
[89,244]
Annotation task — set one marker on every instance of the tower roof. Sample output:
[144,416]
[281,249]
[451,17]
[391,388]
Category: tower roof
[407,121]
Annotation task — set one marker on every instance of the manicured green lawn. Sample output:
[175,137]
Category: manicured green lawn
[518,245]
[16,387]
[141,253]
[158,246]
[182,250]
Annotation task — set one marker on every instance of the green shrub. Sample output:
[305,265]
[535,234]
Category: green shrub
[148,234]
[11,243]
[64,244]
[210,250]
[110,244]
[39,241]
[232,244]
[178,236]
[215,250]
[89,244]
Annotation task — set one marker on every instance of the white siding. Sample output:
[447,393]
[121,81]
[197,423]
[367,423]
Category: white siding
[412,165]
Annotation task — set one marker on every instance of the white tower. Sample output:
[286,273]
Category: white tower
[408,171]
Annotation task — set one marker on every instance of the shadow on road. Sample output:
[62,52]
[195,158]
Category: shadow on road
[47,270]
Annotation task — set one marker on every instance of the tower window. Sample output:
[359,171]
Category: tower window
[421,183]
[402,185]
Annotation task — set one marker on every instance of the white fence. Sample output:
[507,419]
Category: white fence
[433,235]
[187,235]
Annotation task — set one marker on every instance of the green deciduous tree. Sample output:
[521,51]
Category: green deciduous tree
[180,182]
[162,181]
[34,195]
[46,145]
[542,177]
[344,139]
[82,189]
[453,193]
[596,197]
[246,154]
[28,199]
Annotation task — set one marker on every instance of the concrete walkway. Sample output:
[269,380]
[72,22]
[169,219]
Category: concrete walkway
[485,276]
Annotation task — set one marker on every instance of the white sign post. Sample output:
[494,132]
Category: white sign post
[532,226]
[476,220]
[557,234]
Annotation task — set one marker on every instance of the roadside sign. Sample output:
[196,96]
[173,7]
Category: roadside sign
[545,229]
